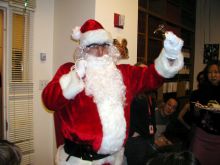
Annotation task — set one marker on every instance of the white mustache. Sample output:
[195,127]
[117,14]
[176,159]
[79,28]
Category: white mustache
[94,61]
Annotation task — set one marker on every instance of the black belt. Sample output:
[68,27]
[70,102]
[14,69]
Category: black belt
[82,151]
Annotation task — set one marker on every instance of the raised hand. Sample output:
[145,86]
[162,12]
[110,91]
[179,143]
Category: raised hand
[172,45]
[80,67]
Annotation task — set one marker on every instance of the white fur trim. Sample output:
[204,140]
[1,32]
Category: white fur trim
[95,36]
[113,127]
[76,34]
[163,66]
[71,85]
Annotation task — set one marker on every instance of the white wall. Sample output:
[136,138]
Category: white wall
[68,14]
[104,13]
[207,30]
[43,42]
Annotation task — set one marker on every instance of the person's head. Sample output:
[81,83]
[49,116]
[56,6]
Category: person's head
[100,55]
[212,73]
[9,153]
[200,78]
[94,42]
[176,158]
[170,107]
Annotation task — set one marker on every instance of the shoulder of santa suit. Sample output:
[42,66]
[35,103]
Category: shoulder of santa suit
[124,66]
[67,65]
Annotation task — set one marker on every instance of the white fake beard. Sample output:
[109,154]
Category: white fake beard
[104,82]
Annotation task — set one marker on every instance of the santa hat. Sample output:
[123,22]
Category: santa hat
[91,32]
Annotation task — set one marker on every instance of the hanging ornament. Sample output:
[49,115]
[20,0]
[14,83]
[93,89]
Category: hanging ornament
[160,29]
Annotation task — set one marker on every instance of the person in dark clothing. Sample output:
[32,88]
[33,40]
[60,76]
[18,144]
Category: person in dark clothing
[143,116]
[177,133]
[175,158]
[138,148]
[164,113]
[142,143]
[206,141]
[184,124]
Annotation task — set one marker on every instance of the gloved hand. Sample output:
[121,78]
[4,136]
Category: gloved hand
[172,45]
[170,60]
[80,67]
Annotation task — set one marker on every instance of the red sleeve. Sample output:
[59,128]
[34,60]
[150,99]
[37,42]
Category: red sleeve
[139,79]
[58,132]
[52,95]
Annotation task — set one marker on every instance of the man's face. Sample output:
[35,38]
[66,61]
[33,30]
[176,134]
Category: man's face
[170,107]
[97,50]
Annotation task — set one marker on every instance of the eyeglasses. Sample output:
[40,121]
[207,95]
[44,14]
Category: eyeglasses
[97,49]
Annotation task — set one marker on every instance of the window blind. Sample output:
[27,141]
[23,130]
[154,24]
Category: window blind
[28,4]
[20,84]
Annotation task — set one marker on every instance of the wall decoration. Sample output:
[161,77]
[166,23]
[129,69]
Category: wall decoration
[122,47]
[211,53]
[119,20]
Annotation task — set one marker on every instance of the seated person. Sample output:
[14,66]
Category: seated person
[181,126]
[141,145]
[10,154]
[163,115]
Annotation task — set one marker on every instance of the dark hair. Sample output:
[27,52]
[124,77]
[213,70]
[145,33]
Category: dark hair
[200,78]
[165,99]
[175,158]
[9,153]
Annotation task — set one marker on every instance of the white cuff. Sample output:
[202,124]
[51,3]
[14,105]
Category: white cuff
[71,84]
[164,68]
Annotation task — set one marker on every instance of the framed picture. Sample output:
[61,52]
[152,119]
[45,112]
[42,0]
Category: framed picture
[211,53]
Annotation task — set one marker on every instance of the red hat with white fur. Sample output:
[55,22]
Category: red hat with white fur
[91,32]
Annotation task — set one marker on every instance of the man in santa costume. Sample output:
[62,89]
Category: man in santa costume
[91,98]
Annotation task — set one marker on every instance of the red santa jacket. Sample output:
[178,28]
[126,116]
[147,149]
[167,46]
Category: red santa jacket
[79,119]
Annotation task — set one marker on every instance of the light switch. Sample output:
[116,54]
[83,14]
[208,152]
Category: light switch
[43,57]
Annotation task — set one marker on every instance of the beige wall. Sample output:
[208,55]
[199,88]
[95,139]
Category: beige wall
[104,12]
[43,42]
[67,15]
